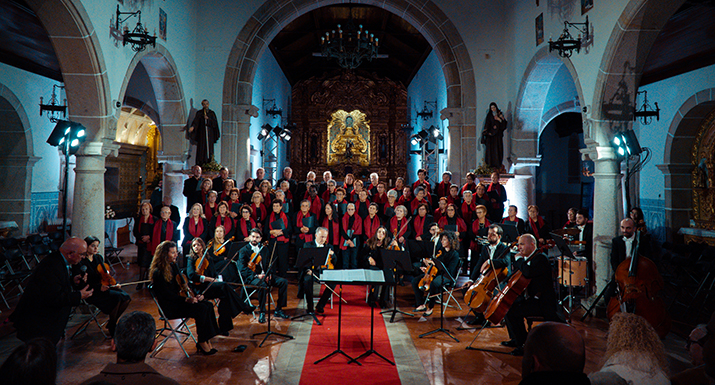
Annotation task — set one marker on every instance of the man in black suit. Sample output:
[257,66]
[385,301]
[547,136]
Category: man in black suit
[493,252]
[539,298]
[302,188]
[191,186]
[322,186]
[45,306]
[264,270]
[586,236]
[306,279]
[626,245]
[288,176]
[222,177]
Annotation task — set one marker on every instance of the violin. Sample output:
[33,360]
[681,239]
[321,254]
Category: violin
[106,278]
[222,248]
[430,273]
[639,283]
[256,258]
[184,289]
[328,261]
[395,244]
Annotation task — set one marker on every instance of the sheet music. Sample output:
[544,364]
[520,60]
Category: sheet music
[353,276]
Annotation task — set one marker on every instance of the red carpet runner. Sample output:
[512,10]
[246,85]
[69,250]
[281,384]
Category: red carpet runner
[355,341]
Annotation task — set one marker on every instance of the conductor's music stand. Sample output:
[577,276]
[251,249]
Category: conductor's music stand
[393,260]
[306,259]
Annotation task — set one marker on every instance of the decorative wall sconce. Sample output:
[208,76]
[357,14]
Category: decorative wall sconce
[427,113]
[566,44]
[273,110]
[54,109]
[139,37]
[646,112]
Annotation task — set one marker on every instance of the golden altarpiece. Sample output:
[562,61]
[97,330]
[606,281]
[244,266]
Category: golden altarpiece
[349,123]
[703,177]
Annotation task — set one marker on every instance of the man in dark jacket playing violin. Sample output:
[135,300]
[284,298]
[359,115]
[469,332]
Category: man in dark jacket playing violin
[539,298]
[321,240]
[264,273]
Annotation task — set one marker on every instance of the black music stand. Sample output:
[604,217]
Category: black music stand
[351,277]
[394,259]
[306,259]
[269,332]
[442,305]
[372,339]
[510,233]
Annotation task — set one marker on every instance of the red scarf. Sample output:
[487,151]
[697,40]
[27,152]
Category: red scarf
[244,230]
[476,226]
[282,216]
[156,236]
[226,222]
[315,205]
[196,229]
[356,228]
[419,223]
[461,225]
[443,189]
[380,199]
[493,187]
[334,230]
[535,228]
[370,225]
[204,197]
[208,211]
[468,210]
[438,214]
[254,212]
[394,226]
[225,196]
[299,224]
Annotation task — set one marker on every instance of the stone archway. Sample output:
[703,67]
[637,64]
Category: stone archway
[16,161]
[677,164]
[260,29]
[78,51]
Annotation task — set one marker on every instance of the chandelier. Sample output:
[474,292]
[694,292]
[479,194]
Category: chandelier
[350,46]
[646,112]
[566,44]
[139,37]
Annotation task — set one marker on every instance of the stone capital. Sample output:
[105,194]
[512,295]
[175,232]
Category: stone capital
[676,168]
[455,116]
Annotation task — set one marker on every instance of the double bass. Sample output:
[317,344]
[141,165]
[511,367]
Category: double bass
[639,283]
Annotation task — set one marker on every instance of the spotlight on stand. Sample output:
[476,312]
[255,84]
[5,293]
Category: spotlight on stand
[566,43]
[626,144]
[436,134]
[419,137]
[265,130]
[285,134]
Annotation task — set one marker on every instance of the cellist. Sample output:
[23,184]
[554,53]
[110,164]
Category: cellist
[201,272]
[539,298]
[448,257]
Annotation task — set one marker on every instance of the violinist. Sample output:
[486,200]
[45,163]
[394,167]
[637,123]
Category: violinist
[218,253]
[177,300]
[244,224]
[204,278]
[305,223]
[263,275]
[195,225]
[537,226]
[373,246]
[142,233]
[109,300]
[164,229]
[398,225]
[306,276]
[446,257]
[223,218]
[277,229]
[539,298]
[351,230]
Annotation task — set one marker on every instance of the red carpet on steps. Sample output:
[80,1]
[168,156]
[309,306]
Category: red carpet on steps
[355,340]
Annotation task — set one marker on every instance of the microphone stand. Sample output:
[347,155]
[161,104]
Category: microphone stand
[442,306]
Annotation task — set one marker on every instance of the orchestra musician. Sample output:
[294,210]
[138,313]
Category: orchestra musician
[585,237]
[204,278]
[277,229]
[165,278]
[571,216]
[218,253]
[264,274]
[142,233]
[623,247]
[447,257]
[539,298]
[112,301]
[306,276]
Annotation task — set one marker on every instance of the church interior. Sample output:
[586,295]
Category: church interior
[603,108]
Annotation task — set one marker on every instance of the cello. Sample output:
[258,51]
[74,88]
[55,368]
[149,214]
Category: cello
[481,292]
[639,283]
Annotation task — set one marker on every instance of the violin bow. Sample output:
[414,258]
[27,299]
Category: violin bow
[222,270]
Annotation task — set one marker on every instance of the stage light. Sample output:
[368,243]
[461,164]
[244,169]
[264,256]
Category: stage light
[265,130]
[627,143]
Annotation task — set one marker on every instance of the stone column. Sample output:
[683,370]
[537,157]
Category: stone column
[607,212]
[15,198]
[678,196]
[454,151]
[88,204]
[173,182]
[235,139]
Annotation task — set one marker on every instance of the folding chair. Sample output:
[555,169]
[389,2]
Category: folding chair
[14,253]
[246,292]
[182,328]
[93,313]
[449,290]
[36,246]
[111,253]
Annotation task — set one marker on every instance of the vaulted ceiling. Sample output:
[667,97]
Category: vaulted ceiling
[404,46]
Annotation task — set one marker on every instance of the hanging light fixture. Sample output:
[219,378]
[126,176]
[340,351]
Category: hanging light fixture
[139,37]
[566,44]
[350,46]
[54,109]
[646,112]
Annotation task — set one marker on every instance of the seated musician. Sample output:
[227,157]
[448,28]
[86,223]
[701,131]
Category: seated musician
[109,300]
[447,262]
[204,278]
[537,226]
[265,272]
[539,298]
[624,247]
[398,225]
[513,219]
[177,299]
[571,216]
[304,222]
[218,253]
[307,275]
[586,240]
[378,241]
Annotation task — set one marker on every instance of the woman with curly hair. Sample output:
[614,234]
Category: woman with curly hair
[634,352]
[448,257]
[166,288]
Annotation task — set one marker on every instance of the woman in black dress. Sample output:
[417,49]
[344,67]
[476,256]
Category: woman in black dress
[206,281]
[373,256]
[165,277]
[111,301]
[142,232]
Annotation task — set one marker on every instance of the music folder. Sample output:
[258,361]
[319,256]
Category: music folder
[354,276]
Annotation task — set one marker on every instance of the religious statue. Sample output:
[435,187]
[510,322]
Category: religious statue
[348,138]
[204,133]
[492,134]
